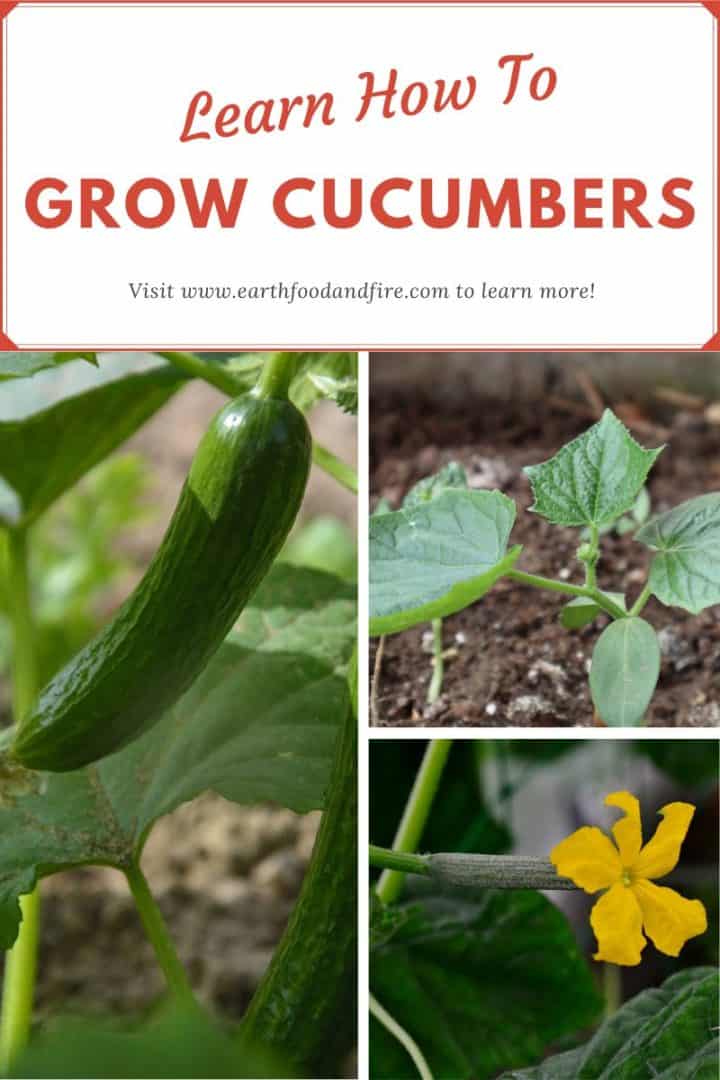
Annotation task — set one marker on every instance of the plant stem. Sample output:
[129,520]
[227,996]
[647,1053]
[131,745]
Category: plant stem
[159,936]
[21,960]
[416,814]
[405,1040]
[398,860]
[592,559]
[438,663]
[595,595]
[612,988]
[375,685]
[344,474]
[199,369]
[276,375]
[641,601]
[275,372]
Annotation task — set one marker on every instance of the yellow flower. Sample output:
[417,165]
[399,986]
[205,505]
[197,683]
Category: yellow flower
[630,902]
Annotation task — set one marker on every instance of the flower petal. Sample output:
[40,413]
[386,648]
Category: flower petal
[628,830]
[589,858]
[660,855]
[669,919]
[617,922]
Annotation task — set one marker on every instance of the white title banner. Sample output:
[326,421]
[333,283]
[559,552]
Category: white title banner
[364,175]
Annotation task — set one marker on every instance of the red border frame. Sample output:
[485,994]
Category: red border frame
[711,345]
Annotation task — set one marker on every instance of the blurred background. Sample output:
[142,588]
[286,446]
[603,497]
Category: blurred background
[226,877]
[523,796]
[509,661]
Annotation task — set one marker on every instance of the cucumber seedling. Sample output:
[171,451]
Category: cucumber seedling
[437,556]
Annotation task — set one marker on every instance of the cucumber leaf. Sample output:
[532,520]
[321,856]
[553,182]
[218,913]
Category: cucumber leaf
[668,1033]
[593,479]
[479,986]
[344,392]
[340,369]
[438,557]
[259,724]
[21,365]
[75,1046]
[452,475]
[624,671]
[581,610]
[686,570]
[57,427]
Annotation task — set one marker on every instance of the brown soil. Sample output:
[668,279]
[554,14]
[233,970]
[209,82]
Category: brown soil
[514,664]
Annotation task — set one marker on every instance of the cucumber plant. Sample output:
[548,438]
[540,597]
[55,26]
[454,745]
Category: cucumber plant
[229,668]
[475,973]
[436,557]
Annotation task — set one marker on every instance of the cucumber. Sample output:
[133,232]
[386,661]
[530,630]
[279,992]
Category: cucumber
[305,1008]
[238,504]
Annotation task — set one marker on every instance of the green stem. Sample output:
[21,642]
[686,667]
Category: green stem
[344,474]
[159,936]
[417,810]
[641,601]
[595,595]
[21,960]
[385,859]
[612,988]
[276,375]
[438,663]
[199,369]
[405,1040]
[592,560]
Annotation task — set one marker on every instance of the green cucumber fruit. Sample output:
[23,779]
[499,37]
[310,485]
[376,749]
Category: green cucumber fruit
[239,502]
[305,1007]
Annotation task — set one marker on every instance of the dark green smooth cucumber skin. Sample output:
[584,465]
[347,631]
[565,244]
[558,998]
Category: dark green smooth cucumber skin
[239,502]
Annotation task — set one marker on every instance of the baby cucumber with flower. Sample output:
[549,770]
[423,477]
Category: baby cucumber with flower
[239,502]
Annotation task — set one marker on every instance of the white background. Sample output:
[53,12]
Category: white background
[103,91]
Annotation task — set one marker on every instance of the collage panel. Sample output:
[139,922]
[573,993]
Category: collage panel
[544,540]
[543,909]
[178,689]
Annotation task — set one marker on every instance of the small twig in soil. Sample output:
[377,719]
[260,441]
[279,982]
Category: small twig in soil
[375,685]
[680,398]
[591,393]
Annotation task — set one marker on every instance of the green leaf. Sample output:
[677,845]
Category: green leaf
[581,610]
[686,571]
[305,390]
[45,453]
[479,986]
[325,543]
[667,1034]
[344,392]
[177,1043]
[20,365]
[385,921]
[452,475]
[624,671]
[259,724]
[437,558]
[593,479]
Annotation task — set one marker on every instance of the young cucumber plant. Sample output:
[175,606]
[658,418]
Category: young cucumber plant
[437,556]
[223,671]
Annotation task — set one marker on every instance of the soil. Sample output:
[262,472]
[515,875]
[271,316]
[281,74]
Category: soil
[226,877]
[512,663]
